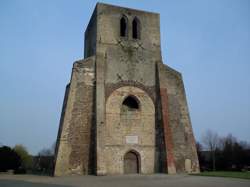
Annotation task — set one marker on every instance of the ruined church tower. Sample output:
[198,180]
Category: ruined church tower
[124,110]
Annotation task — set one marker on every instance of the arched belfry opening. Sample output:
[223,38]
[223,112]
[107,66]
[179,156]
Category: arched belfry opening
[131,162]
[130,103]
[136,26]
[124,26]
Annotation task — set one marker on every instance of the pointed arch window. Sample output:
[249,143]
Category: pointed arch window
[136,26]
[124,26]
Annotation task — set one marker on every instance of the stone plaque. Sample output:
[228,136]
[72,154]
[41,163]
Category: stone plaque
[132,139]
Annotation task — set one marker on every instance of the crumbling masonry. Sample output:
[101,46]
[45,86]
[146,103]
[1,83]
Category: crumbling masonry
[124,111]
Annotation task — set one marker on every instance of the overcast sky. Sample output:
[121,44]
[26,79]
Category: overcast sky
[207,41]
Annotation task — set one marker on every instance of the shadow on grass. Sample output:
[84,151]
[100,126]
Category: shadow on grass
[17,183]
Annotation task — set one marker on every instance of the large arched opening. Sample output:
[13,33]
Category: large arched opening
[129,125]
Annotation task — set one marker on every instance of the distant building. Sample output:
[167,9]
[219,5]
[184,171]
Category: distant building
[124,111]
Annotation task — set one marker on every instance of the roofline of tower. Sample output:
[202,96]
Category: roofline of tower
[132,9]
[106,4]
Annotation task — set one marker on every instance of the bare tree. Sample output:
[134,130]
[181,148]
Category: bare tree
[45,159]
[211,141]
[48,151]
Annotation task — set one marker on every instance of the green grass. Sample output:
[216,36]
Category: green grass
[231,174]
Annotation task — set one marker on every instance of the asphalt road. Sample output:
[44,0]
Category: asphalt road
[157,180]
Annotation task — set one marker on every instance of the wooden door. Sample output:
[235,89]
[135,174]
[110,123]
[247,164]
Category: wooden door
[131,163]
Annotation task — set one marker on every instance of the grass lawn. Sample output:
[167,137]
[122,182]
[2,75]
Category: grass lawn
[232,174]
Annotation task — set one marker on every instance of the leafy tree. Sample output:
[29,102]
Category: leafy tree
[9,159]
[26,159]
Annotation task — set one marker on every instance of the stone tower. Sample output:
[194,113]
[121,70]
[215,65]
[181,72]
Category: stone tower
[124,111]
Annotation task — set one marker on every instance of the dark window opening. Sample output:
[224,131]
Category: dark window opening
[130,103]
[136,28]
[123,27]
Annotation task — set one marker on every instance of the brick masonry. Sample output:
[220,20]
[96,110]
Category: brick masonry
[97,130]
[167,132]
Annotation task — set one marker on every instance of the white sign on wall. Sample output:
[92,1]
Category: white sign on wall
[131,139]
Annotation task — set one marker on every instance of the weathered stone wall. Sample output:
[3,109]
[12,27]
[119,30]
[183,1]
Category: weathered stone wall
[180,143]
[74,142]
[123,62]
[93,130]
[128,58]
[122,124]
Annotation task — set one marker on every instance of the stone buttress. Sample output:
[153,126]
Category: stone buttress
[124,111]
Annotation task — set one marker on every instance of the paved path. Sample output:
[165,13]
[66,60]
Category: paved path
[157,180]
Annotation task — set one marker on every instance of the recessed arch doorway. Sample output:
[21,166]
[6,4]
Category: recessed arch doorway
[131,162]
